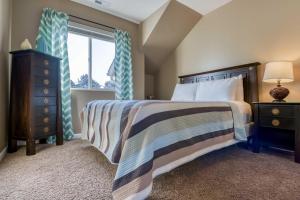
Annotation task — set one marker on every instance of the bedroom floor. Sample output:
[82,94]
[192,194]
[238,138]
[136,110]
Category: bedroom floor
[78,171]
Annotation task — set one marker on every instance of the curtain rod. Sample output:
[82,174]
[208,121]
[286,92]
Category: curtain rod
[110,27]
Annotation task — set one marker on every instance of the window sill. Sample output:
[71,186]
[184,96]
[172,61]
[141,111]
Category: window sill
[92,90]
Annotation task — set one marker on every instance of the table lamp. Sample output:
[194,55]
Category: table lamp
[279,72]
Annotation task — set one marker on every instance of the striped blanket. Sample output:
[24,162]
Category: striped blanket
[148,138]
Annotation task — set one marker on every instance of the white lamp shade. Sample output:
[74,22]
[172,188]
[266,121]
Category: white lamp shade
[279,71]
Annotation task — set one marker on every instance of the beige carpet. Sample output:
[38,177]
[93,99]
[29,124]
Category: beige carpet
[78,171]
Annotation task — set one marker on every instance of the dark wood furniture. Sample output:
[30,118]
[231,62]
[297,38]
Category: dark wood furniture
[277,125]
[35,106]
[250,81]
[248,71]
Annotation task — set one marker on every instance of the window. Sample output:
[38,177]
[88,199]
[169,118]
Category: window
[91,54]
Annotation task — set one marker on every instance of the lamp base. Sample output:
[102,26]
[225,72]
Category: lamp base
[278,101]
[279,93]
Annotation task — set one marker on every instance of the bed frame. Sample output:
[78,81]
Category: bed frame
[248,71]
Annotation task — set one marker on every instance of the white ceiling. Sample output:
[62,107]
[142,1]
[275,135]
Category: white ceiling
[139,10]
[204,6]
[132,10]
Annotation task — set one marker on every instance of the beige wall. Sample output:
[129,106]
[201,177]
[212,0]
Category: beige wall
[80,98]
[27,14]
[25,22]
[242,31]
[4,65]
[149,85]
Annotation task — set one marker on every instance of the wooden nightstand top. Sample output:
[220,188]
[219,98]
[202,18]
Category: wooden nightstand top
[277,103]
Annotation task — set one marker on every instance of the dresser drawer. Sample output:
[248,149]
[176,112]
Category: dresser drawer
[281,123]
[41,111]
[41,61]
[44,120]
[47,72]
[40,81]
[44,130]
[44,92]
[44,101]
[277,111]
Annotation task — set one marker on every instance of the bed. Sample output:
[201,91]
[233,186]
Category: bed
[148,138]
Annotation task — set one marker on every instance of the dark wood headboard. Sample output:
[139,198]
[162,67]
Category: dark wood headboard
[248,71]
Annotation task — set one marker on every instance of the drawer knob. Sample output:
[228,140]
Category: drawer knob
[46,81]
[46,62]
[46,120]
[46,72]
[275,122]
[275,111]
[46,91]
[46,101]
[46,110]
[46,129]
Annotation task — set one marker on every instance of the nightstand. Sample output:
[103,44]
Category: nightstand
[277,125]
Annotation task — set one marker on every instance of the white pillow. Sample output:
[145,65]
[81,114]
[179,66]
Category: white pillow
[184,92]
[240,88]
[221,90]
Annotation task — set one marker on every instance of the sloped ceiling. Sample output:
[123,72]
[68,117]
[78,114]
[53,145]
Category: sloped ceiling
[171,28]
[149,24]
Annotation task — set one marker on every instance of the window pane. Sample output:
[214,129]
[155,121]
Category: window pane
[78,50]
[103,53]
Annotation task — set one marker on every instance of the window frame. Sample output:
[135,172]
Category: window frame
[91,33]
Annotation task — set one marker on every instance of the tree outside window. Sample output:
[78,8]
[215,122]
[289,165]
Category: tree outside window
[91,62]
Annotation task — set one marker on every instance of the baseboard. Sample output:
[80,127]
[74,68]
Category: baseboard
[21,143]
[3,153]
[77,136]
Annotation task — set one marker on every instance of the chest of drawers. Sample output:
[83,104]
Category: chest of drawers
[35,108]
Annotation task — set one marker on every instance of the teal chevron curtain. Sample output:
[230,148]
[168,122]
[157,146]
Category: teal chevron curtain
[52,39]
[123,66]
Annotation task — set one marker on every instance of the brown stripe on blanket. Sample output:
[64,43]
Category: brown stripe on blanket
[144,181]
[107,124]
[124,116]
[152,119]
[146,167]
[94,133]
[89,107]
[131,115]
[127,110]
[134,108]
[102,124]
[88,121]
